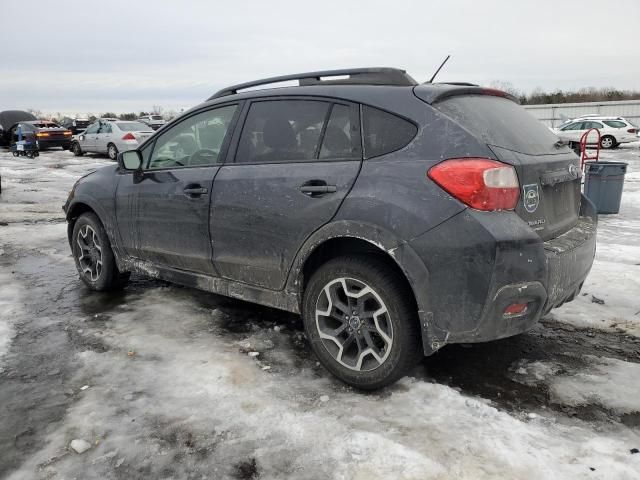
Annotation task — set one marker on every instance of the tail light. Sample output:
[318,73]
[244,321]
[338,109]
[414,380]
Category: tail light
[129,136]
[67,133]
[633,130]
[42,134]
[481,183]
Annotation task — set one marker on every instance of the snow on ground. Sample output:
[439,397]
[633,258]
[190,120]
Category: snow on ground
[615,276]
[159,381]
[608,382]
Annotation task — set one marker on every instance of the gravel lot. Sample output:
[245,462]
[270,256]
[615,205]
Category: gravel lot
[157,380]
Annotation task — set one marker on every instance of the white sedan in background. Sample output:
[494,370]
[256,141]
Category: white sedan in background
[613,131]
[110,137]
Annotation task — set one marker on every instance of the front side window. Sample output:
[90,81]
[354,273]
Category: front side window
[196,141]
[573,126]
[384,132]
[93,128]
[282,130]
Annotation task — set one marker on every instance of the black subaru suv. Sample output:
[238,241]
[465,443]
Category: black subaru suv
[395,217]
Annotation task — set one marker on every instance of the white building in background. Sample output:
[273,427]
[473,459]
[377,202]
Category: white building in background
[553,115]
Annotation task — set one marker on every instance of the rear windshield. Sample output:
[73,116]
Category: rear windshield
[132,126]
[500,122]
[46,125]
[156,117]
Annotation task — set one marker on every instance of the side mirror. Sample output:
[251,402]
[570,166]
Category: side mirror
[130,160]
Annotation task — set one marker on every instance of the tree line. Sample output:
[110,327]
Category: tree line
[587,94]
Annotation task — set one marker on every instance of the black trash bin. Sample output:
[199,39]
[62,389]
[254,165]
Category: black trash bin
[603,184]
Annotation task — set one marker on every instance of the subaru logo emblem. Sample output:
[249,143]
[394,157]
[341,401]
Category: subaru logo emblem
[573,170]
[530,197]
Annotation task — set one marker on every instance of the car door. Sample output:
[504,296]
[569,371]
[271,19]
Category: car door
[103,137]
[163,211]
[574,131]
[87,139]
[295,161]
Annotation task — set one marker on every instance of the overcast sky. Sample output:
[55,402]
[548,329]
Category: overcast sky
[97,56]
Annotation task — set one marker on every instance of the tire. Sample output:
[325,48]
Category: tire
[112,151]
[394,335]
[607,142]
[94,260]
[75,148]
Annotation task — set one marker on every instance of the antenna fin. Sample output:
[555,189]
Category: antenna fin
[439,68]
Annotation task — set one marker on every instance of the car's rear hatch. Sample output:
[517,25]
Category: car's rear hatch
[548,172]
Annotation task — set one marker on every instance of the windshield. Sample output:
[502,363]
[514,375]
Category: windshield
[132,126]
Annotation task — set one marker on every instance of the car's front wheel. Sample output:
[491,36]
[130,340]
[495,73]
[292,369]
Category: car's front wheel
[75,148]
[607,142]
[112,151]
[361,321]
[93,256]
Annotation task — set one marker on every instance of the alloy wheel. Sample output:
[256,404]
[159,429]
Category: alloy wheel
[606,142]
[90,252]
[113,153]
[354,324]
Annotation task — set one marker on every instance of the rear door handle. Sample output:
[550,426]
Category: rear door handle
[317,188]
[195,191]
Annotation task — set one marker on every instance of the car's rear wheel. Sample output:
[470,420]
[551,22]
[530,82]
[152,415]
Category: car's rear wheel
[361,321]
[75,148]
[607,142]
[112,151]
[93,256]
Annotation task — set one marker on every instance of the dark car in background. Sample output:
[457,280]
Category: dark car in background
[75,125]
[395,217]
[8,119]
[47,134]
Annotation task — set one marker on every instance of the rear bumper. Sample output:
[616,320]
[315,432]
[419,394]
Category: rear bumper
[478,264]
[62,142]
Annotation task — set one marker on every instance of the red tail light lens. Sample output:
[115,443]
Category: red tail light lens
[633,130]
[129,136]
[481,183]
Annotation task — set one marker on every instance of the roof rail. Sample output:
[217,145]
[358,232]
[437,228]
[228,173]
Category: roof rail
[358,76]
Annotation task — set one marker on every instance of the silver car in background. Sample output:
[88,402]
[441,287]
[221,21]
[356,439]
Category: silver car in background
[110,137]
[154,121]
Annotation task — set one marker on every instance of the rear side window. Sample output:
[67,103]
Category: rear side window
[282,130]
[342,135]
[587,125]
[384,132]
[614,123]
[500,122]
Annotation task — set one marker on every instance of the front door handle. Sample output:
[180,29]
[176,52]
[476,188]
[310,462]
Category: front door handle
[195,191]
